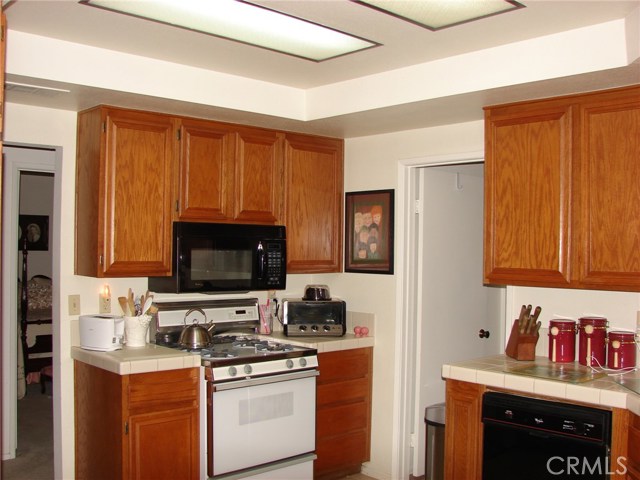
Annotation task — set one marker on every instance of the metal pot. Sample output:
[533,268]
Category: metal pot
[196,335]
[316,292]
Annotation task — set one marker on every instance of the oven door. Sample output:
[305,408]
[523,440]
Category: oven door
[257,421]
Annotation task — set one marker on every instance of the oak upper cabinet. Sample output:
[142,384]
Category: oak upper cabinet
[259,172]
[206,164]
[562,200]
[313,203]
[137,426]
[124,193]
[528,173]
[229,173]
[608,204]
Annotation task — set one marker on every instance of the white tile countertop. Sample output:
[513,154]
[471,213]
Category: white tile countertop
[494,371]
[154,358]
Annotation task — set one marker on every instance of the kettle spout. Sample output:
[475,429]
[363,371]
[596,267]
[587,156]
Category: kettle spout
[211,328]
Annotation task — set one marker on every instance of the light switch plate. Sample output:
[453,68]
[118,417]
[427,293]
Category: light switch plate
[74,304]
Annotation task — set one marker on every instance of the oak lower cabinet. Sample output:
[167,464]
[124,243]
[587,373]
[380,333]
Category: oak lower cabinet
[464,433]
[561,198]
[343,420]
[633,448]
[138,426]
[314,191]
[124,194]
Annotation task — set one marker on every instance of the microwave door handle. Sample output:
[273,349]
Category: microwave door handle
[261,261]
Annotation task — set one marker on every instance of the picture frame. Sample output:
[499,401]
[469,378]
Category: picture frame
[35,230]
[369,223]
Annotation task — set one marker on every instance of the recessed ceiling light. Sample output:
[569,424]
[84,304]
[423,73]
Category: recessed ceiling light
[244,22]
[439,14]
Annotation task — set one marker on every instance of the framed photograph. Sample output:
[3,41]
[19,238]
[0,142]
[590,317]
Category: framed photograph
[369,232]
[35,230]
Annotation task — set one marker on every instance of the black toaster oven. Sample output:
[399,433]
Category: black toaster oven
[317,318]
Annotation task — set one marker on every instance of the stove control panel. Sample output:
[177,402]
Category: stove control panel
[263,368]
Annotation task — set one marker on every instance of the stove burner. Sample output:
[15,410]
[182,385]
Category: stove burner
[266,346]
[211,354]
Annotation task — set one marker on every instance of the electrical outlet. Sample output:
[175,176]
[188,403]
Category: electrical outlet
[74,304]
[104,302]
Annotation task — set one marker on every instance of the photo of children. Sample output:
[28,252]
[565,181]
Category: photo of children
[370,241]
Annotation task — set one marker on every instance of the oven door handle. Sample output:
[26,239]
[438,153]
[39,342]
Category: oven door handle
[253,382]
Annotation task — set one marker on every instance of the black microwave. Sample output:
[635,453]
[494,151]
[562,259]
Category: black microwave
[220,258]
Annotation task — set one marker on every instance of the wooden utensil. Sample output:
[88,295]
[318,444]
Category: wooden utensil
[124,305]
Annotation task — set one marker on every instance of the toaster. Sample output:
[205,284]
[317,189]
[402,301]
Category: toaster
[315,318]
[103,333]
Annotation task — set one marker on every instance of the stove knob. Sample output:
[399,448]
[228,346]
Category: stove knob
[303,362]
[233,371]
[326,328]
[303,328]
[289,363]
[314,328]
[248,369]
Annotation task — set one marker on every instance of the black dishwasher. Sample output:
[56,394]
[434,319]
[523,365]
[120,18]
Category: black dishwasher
[531,439]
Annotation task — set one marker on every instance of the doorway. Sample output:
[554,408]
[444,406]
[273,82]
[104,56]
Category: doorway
[433,262]
[28,190]
[455,305]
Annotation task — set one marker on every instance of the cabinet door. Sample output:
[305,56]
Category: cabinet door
[259,182]
[162,445]
[463,432]
[343,419]
[610,191]
[136,233]
[528,182]
[207,152]
[313,203]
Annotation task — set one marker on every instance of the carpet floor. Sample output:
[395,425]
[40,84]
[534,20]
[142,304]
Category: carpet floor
[34,456]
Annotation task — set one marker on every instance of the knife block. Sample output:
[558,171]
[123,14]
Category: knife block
[521,346]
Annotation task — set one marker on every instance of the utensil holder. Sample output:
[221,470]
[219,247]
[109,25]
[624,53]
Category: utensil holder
[521,346]
[135,330]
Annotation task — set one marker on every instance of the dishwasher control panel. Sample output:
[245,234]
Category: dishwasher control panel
[547,416]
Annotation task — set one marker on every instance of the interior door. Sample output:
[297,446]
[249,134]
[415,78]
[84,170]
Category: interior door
[455,305]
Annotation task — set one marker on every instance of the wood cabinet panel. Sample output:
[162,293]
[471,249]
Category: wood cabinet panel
[336,455]
[610,192]
[123,193]
[343,418]
[162,445]
[136,426]
[463,432]
[259,173]
[633,448]
[528,195]
[207,165]
[313,203]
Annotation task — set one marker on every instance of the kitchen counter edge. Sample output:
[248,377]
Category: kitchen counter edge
[155,358]
[490,371]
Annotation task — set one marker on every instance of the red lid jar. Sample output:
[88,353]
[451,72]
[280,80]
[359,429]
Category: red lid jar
[562,340]
[621,351]
[592,341]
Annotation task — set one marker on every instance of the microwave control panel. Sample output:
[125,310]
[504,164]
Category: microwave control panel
[274,264]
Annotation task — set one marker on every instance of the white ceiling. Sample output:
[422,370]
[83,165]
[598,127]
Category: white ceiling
[403,45]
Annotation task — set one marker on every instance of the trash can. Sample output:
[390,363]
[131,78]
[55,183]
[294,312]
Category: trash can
[434,416]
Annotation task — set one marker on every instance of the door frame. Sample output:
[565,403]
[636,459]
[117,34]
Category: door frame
[409,303]
[11,194]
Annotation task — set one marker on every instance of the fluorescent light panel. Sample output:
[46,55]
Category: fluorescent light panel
[439,14]
[244,22]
